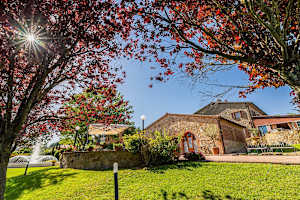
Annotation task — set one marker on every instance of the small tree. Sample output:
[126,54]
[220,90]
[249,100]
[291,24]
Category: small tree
[211,132]
[103,105]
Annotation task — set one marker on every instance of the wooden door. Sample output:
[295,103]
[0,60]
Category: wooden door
[189,141]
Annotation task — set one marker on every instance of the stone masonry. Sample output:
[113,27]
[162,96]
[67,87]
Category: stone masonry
[178,124]
[100,160]
[227,109]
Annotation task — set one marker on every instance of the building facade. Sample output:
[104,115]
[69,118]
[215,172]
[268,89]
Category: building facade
[270,123]
[230,135]
[233,122]
[250,115]
[239,112]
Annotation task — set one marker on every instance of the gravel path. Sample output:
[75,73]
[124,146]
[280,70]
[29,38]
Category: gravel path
[294,160]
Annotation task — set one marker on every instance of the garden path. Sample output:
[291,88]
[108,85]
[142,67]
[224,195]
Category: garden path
[295,160]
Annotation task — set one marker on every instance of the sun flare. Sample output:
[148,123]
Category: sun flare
[31,37]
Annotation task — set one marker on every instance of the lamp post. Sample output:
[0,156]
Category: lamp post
[75,139]
[116,181]
[143,117]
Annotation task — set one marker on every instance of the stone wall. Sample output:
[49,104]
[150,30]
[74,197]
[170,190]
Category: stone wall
[233,137]
[227,114]
[277,137]
[178,124]
[100,160]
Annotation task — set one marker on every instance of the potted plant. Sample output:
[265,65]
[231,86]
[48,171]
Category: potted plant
[212,132]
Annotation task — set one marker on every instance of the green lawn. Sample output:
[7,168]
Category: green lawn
[193,180]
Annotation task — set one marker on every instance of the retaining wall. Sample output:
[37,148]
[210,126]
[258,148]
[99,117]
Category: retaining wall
[100,160]
[23,165]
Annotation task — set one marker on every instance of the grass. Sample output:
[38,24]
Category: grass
[191,180]
[297,146]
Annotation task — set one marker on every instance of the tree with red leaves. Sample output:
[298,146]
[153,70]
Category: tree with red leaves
[104,105]
[49,51]
[261,37]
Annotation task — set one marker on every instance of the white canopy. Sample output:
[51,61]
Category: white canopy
[104,129]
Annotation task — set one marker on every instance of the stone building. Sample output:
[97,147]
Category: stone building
[232,121]
[271,123]
[239,112]
[230,135]
[251,116]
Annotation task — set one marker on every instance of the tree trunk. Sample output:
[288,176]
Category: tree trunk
[4,157]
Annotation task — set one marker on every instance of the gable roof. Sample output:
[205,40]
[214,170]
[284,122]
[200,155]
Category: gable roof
[104,129]
[215,108]
[275,119]
[277,116]
[192,115]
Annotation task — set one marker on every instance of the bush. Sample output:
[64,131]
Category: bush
[133,143]
[90,147]
[47,151]
[118,146]
[155,149]
[26,150]
[194,156]
[108,146]
[297,147]
[56,154]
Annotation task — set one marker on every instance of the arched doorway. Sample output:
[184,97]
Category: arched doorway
[189,143]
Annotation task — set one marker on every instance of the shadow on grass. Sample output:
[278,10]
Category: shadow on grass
[207,194]
[174,195]
[15,186]
[179,165]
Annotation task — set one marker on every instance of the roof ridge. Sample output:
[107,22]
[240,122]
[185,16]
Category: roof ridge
[195,115]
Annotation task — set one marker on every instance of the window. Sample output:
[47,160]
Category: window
[236,115]
[263,130]
[244,115]
[283,126]
[253,113]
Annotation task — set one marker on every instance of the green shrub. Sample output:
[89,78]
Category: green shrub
[297,146]
[27,150]
[90,147]
[56,154]
[155,149]
[118,146]
[194,156]
[133,143]
[108,146]
[24,150]
[162,148]
[47,151]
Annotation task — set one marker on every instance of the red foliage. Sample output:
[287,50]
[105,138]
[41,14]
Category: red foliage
[49,51]
[260,37]
[102,105]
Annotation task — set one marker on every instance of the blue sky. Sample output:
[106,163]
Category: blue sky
[178,96]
